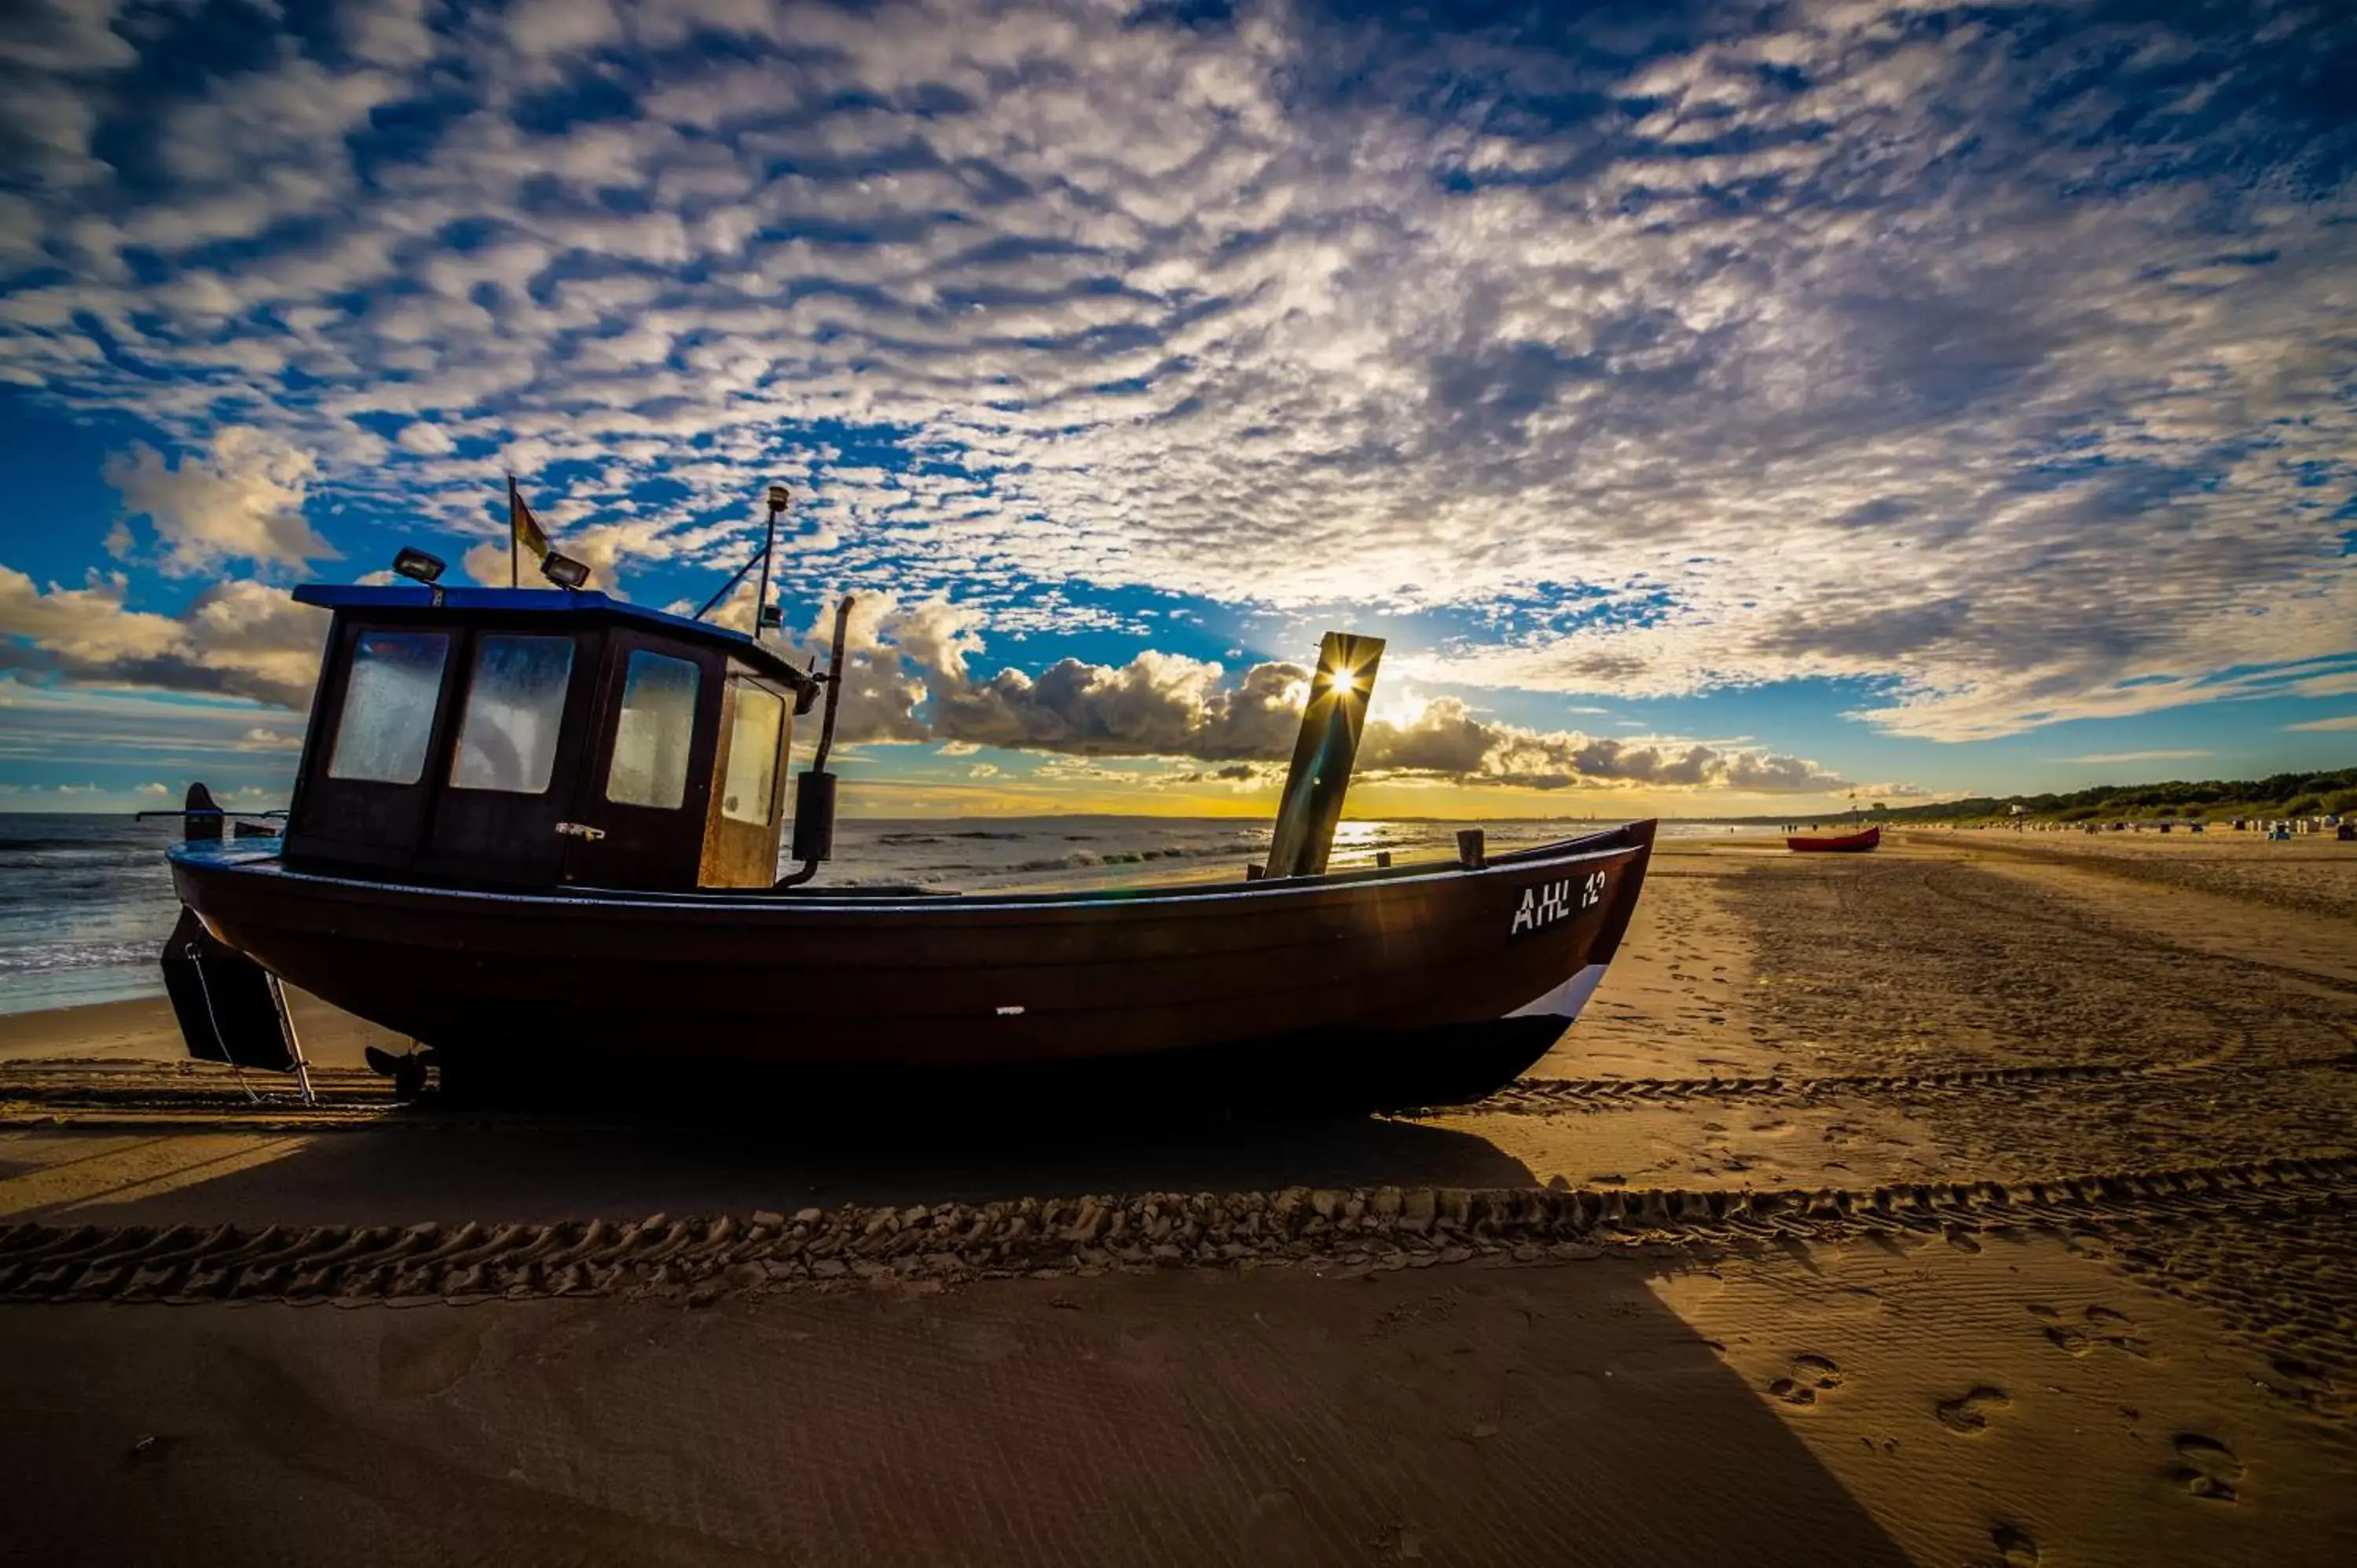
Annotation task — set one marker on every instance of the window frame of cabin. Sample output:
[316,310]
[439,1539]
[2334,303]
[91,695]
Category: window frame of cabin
[684,739]
[550,701]
[764,757]
[359,699]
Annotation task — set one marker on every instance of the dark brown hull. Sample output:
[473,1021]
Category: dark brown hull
[1437,972]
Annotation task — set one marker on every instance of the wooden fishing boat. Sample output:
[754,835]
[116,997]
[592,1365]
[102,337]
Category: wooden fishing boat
[538,831]
[1856,842]
[1413,984]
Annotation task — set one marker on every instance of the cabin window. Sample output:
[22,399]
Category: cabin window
[388,702]
[653,737]
[752,778]
[515,704]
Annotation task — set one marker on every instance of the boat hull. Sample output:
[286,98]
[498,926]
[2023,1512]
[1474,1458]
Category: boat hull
[1834,843]
[1419,983]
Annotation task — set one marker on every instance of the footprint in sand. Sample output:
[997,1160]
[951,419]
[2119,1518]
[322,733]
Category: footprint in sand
[2297,1379]
[2207,1467]
[1811,1373]
[2014,1546]
[2099,1325]
[2114,1330]
[2071,1341]
[1967,1415]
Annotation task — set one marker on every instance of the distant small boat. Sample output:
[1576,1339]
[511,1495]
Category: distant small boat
[1856,842]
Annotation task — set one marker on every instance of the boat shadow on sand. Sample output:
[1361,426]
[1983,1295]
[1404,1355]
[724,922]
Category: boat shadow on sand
[426,1162]
[1486,1412]
[1556,1415]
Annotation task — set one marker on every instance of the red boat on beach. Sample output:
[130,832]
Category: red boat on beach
[1856,842]
[538,831]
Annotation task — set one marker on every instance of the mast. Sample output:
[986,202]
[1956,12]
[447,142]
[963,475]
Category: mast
[778,498]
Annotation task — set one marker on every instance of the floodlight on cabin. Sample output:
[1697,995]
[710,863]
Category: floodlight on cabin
[772,617]
[564,571]
[418,566]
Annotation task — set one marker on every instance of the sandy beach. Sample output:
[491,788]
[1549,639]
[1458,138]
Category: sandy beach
[1991,1198]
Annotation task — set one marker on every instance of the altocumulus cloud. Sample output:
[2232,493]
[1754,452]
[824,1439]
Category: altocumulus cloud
[1998,355]
[244,503]
[238,639]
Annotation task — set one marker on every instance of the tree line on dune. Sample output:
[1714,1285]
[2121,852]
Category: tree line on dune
[2277,795]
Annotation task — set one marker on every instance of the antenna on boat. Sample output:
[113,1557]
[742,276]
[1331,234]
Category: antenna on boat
[765,615]
[814,790]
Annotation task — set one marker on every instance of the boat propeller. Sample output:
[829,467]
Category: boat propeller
[406,1071]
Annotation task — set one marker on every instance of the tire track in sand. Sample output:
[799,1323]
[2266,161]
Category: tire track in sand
[53,1099]
[702,1259]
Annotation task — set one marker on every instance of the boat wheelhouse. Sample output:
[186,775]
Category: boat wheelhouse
[535,738]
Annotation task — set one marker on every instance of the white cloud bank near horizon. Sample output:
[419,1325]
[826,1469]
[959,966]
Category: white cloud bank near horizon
[908,680]
[2003,355]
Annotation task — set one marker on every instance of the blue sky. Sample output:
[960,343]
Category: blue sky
[1718,408]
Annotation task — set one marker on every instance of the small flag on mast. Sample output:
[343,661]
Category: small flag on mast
[523,529]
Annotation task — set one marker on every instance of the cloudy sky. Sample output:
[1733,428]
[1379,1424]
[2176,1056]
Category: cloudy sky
[1717,407]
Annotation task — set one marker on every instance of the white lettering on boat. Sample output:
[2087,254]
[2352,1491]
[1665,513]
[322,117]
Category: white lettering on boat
[1549,902]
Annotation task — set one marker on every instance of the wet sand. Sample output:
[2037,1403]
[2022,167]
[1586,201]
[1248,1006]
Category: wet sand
[1688,1293]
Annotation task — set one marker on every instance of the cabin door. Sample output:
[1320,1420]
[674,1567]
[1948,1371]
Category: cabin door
[523,721]
[643,796]
[740,831]
[368,793]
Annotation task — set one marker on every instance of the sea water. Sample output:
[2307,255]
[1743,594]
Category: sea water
[86,901]
[85,905]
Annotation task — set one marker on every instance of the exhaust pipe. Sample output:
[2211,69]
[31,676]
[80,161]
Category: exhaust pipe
[814,790]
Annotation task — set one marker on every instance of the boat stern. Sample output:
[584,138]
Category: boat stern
[230,1009]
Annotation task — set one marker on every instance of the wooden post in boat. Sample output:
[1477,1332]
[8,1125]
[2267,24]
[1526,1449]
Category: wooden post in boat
[1324,754]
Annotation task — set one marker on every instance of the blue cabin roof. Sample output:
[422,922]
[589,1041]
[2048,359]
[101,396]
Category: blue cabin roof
[508,603]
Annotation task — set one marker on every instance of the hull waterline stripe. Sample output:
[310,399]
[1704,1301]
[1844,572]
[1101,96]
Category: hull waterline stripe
[1566,1000]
